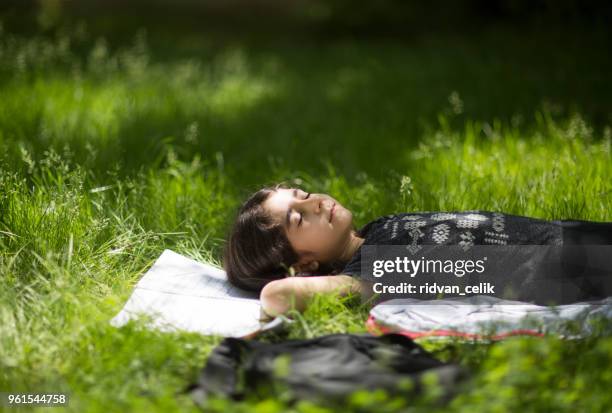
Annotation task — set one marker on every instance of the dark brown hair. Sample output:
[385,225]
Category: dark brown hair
[257,249]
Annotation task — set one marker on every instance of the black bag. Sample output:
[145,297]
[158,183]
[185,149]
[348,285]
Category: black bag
[326,368]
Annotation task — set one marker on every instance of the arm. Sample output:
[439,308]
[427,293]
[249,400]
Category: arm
[277,296]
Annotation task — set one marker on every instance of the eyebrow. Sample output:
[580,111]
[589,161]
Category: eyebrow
[287,220]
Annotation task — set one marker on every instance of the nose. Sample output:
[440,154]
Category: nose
[313,203]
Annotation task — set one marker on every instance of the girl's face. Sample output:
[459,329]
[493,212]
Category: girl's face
[317,226]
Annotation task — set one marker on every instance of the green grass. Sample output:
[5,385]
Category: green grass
[112,151]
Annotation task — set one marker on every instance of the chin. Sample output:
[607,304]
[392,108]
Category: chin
[344,218]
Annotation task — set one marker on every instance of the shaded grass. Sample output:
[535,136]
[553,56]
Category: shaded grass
[107,160]
[120,104]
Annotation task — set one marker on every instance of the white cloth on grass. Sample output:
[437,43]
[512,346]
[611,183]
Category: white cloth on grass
[179,293]
[485,316]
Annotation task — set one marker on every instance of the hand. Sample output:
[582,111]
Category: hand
[263,316]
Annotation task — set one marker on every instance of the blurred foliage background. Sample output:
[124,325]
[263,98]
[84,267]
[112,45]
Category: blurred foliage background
[209,75]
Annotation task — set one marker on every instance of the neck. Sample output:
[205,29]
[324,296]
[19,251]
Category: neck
[351,247]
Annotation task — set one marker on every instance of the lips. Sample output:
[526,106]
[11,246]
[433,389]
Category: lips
[331,212]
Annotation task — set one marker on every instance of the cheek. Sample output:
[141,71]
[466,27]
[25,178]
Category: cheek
[343,219]
[312,238]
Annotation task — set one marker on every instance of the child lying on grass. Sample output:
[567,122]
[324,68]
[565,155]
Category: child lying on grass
[282,231]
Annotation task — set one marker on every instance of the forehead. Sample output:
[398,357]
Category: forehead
[278,203]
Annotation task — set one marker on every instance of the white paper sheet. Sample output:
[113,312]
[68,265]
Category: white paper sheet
[182,294]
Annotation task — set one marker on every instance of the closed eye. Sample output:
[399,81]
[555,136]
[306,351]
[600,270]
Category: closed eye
[302,215]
